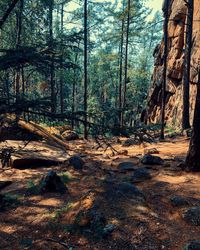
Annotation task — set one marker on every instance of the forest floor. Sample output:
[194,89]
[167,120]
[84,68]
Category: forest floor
[55,221]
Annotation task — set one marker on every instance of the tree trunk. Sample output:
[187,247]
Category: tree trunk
[18,43]
[120,72]
[126,60]
[85,69]
[166,16]
[61,62]
[193,157]
[52,80]
[186,67]
[7,88]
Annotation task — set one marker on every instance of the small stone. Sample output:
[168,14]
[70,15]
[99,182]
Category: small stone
[126,166]
[192,216]
[178,201]
[151,151]
[193,245]
[151,160]
[106,157]
[141,174]
[108,229]
[123,152]
[187,133]
[76,162]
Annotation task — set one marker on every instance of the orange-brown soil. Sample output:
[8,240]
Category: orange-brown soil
[43,221]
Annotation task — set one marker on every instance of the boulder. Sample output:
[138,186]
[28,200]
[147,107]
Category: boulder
[76,162]
[129,142]
[52,183]
[151,160]
[69,135]
[193,245]
[179,201]
[128,190]
[126,166]
[192,216]
[141,174]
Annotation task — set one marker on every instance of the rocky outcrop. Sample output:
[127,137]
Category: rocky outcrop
[176,30]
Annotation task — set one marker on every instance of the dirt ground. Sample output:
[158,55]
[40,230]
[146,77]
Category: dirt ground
[45,221]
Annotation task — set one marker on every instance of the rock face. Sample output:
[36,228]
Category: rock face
[176,30]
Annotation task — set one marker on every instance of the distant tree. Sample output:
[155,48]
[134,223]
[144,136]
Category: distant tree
[121,69]
[51,44]
[61,59]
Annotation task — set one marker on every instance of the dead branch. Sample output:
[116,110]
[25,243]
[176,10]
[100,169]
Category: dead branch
[8,11]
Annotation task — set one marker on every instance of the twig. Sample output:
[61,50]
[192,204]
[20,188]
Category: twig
[59,242]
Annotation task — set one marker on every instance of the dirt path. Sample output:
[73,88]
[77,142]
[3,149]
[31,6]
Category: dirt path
[36,221]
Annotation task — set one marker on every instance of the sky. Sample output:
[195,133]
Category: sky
[155,5]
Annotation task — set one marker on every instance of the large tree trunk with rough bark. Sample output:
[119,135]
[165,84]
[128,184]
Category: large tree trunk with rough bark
[193,156]
[164,83]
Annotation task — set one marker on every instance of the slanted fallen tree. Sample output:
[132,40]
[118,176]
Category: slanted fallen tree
[39,131]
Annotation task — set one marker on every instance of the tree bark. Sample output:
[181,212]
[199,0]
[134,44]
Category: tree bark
[85,68]
[52,80]
[186,67]
[74,89]
[193,157]
[120,72]
[61,62]
[126,60]
[18,43]
[166,21]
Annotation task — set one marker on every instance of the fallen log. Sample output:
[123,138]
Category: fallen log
[33,160]
[4,184]
[39,131]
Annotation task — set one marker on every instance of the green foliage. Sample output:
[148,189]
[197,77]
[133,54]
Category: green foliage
[67,177]
[37,55]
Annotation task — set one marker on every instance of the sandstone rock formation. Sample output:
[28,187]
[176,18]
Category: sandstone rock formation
[176,30]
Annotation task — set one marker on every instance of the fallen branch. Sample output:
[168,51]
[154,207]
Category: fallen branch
[40,131]
[59,242]
[8,11]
